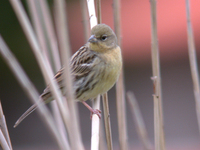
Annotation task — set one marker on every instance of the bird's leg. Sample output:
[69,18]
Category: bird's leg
[93,111]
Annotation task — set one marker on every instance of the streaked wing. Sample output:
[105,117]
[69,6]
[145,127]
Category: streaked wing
[81,65]
[82,61]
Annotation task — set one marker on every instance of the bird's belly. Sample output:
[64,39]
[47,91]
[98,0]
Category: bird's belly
[104,84]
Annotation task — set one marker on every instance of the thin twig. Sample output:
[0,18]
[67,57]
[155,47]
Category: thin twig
[107,122]
[193,62]
[31,92]
[4,127]
[137,117]
[158,125]
[121,106]
[64,44]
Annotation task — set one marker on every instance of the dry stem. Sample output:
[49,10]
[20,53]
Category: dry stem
[107,122]
[4,127]
[193,62]
[63,35]
[85,20]
[41,16]
[3,141]
[158,123]
[121,106]
[45,68]
[30,91]
[137,117]
[96,102]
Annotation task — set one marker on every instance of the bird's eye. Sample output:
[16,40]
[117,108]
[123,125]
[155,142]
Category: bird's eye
[104,37]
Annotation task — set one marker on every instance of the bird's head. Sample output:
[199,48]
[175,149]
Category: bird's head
[102,38]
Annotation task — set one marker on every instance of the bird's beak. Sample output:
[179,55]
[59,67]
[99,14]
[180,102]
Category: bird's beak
[92,39]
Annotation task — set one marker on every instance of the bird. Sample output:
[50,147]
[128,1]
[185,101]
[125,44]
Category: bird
[95,68]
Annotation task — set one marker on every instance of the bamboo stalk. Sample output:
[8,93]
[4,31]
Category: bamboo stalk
[137,117]
[107,122]
[63,36]
[121,106]
[31,92]
[4,127]
[158,122]
[193,62]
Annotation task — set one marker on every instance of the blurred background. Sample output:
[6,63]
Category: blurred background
[180,123]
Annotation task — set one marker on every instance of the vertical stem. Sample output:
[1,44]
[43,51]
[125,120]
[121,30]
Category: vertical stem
[96,102]
[95,125]
[85,20]
[98,2]
[92,13]
[158,123]
[121,107]
[193,62]
[63,34]
[107,122]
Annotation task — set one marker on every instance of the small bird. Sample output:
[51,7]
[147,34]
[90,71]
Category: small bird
[95,68]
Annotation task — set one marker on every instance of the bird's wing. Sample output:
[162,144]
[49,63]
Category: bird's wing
[82,61]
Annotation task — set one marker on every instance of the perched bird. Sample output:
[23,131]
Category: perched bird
[95,68]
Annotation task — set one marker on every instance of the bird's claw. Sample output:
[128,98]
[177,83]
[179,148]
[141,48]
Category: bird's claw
[97,112]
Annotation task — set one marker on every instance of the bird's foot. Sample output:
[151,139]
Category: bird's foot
[95,111]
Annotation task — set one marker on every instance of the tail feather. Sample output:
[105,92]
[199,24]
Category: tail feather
[26,114]
[44,99]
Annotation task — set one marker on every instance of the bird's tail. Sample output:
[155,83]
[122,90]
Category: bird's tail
[28,112]
[44,99]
